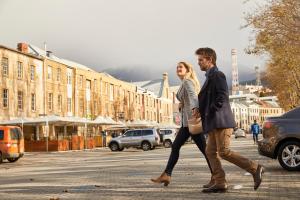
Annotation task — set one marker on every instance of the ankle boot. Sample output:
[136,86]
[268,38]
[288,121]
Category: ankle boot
[163,178]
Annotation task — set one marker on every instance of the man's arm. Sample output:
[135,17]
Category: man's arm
[221,91]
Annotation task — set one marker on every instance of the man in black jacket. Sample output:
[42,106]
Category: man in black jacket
[218,123]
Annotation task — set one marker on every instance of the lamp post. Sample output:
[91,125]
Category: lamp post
[47,130]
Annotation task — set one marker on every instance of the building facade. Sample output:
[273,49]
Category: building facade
[34,83]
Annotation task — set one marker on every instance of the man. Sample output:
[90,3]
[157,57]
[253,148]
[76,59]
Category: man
[218,123]
[255,131]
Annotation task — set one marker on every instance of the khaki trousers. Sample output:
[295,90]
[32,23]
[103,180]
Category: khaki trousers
[218,143]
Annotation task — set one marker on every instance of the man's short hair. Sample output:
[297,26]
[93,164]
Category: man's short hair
[207,53]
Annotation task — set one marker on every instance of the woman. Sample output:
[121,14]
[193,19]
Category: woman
[187,95]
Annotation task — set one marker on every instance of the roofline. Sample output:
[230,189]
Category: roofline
[20,52]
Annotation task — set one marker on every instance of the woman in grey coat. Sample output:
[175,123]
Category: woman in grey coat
[187,95]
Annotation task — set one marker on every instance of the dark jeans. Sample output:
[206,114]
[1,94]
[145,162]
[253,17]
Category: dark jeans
[255,138]
[180,139]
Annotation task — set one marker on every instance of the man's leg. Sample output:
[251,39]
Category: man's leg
[223,137]
[218,174]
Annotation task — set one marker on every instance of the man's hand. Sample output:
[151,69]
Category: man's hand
[196,113]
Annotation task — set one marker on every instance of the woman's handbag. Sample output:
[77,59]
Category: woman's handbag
[195,126]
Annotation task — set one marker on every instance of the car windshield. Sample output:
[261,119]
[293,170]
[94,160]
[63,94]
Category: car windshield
[293,114]
[16,134]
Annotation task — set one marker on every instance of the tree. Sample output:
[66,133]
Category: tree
[277,35]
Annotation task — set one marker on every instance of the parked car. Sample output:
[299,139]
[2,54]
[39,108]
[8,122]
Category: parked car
[146,139]
[11,143]
[281,139]
[239,133]
[168,136]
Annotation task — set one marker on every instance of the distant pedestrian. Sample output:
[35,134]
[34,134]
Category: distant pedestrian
[218,122]
[255,129]
[188,107]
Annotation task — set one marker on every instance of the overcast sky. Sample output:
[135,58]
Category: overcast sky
[130,34]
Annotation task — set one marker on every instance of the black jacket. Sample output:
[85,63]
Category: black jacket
[214,102]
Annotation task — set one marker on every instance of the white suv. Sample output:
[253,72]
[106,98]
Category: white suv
[140,138]
[168,136]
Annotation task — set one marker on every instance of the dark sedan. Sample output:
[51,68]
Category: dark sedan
[281,139]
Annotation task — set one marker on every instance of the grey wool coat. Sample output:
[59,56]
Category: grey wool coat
[187,96]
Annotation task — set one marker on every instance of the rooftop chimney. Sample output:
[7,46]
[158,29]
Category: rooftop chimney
[48,53]
[23,47]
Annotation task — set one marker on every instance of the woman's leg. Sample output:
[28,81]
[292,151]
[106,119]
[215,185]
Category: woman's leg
[201,144]
[180,139]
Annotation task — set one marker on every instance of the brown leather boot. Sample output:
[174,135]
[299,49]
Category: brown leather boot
[208,185]
[163,178]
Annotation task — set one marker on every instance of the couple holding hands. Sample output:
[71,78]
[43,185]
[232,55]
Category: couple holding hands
[212,105]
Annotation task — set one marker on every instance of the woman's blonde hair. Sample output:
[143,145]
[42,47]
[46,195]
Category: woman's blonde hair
[191,75]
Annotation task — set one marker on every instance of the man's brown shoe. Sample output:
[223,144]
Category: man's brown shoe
[163,178]
[208,185]
[215,189]
[257,176]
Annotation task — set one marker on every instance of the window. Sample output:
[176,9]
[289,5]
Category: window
[69,102]
[1,134]
[81,105]
[50,101]
[69,78]
[59,102]
[95,108]
[58,76]
[20,70]
[147,132]
[106,88]
[16,134]
[20,100]
[100,86]
[95,84]
[136,133]
[33,102]
[49,72]
[88,84]
[4,64]
[128,134]
[111,93]
[5,98]
[32,72]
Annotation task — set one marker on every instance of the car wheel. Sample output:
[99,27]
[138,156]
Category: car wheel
[146,146]
[167,144]
[1,158]
[289,155]
[114,146]
[12,159]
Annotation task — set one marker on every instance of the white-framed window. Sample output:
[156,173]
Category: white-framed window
[69,78]
[32,72]
[5,98]
[20,100]
[59,102]
[50,101]
[111,92]
[20,69]
[58,75]
[4,64]
[49,76]
[69,105]
[33,108]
